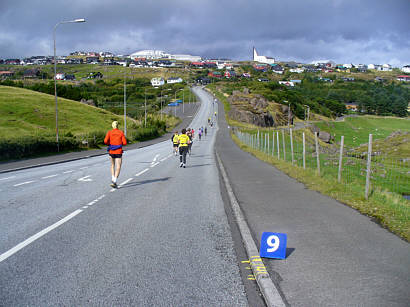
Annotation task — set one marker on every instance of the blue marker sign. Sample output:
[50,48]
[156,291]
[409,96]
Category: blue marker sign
[273,245]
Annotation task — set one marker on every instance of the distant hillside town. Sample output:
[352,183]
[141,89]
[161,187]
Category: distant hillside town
[217,68]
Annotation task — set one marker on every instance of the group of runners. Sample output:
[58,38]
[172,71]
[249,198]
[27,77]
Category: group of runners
[115,139]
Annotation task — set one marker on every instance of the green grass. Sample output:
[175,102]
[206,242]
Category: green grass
[29,113]
[356,130]
[389,209]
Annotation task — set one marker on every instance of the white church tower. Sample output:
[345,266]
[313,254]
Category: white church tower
[261,58]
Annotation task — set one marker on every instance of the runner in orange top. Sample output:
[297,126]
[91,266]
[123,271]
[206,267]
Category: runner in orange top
[115,139]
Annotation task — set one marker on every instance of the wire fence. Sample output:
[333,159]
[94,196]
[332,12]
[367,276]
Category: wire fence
[365,168]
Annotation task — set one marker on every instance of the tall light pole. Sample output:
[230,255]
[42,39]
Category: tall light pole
[125,102]
[55,72]
[145,107]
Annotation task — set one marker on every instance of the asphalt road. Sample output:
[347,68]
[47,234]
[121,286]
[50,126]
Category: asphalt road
[162,239]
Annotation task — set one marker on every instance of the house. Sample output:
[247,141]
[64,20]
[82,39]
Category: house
[92,59]
[297,70]
[260,67]
[31,73]
[350,79]
[246,75]
[403,78]
[351,106]
[385,67]
[197,64]
[287,83]
[230,74]
[69,77]
[95,75]
[325,80]
[406,69]
[60,76]
[157,82]
[215,74]
[12,62]
[276,68]
[296,81]
[6,74]
[263,80]
[174,80]
[379,79]
[203,80]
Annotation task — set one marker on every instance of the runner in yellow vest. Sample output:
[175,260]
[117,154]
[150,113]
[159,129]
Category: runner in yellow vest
[183,141]
[174,140]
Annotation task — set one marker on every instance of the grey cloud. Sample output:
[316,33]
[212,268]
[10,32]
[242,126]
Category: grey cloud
[342,30]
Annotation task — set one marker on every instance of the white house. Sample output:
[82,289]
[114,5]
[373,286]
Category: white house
[174,80]
[385,67]
[157,82]
[371,66]
[287,83]
[262,58]
[297,70]
[348,66]
[60,76]
[406,69]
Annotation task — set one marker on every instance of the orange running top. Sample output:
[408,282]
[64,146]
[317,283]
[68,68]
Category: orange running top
[115,137]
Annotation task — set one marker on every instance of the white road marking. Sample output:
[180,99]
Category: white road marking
[27,182]
[85,178]
[38,235]
[85,207]
[68,172]
[51,176]
[84,167]
[7,178]
[125,182]
[113,190]
[163,159]
[155,158]
[142,172]
[155,164]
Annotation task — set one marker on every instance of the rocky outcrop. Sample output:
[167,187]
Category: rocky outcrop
[255,109]
[89,102]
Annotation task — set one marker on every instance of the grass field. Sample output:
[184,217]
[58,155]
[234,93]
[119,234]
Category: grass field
[356,130]
[29,113]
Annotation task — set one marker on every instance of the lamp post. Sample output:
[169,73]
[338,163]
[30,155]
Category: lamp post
[55,72]
[125,102]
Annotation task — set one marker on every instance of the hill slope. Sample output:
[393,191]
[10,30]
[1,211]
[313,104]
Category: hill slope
[27,113]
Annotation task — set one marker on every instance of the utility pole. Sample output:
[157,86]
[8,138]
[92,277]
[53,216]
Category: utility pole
[125,102]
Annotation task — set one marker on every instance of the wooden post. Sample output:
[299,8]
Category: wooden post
[339,173]
[317,154]
[283,142]
[369,158]
[267,152]
[304,152]
[291,145]
[277,143]
[257,143]
[273,142]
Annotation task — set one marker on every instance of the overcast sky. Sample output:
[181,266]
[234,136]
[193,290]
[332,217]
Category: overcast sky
[345,31]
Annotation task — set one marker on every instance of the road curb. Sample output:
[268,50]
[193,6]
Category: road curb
[267,287]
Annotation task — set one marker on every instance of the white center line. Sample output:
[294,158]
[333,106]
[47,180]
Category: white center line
[51,176]
[163,159]
[38,235]
[155,164]
[155,158]
[7,178]
[142,172]
[68,172]
[84,167]
[27,182]
[85,178]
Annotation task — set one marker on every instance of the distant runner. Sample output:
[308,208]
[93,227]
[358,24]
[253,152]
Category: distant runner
[183,147]
[199,133]
[191,138]
[115,139]
[206,131]
[174,140]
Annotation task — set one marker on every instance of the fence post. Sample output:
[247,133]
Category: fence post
[257,142]
[283,142]
[317,154]
[277,143]
[339,173]
[369,158]
[273,143]
[291,145]
[267,151]
[304,152]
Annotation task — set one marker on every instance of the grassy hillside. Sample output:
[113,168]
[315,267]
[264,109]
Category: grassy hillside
[356,130]
[29,113]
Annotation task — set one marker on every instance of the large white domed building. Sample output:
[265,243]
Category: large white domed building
[159,54]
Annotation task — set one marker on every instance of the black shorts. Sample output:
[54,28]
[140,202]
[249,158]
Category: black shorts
[175,145]
[116,156]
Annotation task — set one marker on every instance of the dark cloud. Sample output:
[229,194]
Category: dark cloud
[346,31]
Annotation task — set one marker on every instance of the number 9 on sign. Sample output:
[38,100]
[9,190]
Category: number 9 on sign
[273,245]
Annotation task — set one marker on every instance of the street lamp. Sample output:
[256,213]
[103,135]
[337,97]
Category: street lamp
[55,72]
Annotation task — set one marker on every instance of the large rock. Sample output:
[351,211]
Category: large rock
[325,136]
[264,119]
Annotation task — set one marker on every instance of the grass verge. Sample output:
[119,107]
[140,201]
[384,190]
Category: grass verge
[388,209]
